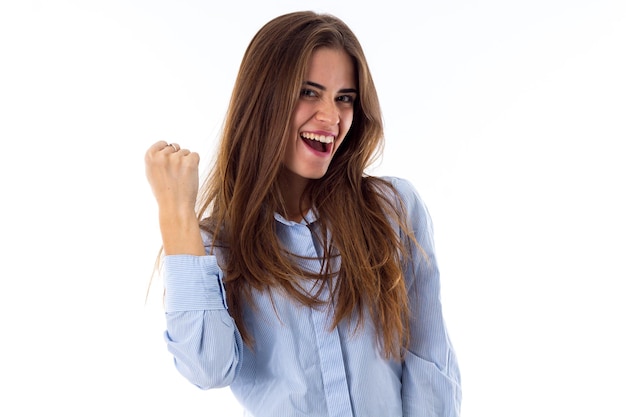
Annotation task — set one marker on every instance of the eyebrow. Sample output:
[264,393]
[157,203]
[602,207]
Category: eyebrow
[321,87]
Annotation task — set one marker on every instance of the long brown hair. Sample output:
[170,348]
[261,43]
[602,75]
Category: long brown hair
[238,199]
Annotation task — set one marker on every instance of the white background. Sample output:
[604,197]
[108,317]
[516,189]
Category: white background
[508,116]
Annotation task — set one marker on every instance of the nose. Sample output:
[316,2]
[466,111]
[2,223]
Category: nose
[327,113]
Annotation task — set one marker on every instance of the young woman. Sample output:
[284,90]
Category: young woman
[307,286]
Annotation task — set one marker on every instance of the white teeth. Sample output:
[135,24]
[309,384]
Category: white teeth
[319,138]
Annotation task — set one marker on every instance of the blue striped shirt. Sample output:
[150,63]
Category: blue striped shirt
[299,366]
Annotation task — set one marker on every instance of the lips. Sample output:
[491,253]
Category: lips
[317,142]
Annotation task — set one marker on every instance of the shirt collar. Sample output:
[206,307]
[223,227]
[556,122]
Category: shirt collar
[309,217]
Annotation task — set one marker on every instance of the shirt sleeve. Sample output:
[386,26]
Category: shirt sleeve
[200,334]
[431,383]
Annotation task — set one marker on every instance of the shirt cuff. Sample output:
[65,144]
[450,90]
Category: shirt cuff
[193,283]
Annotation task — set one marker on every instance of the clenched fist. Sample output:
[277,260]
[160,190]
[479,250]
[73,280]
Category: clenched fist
[173,175]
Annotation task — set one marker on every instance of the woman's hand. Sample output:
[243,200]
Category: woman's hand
[173,175]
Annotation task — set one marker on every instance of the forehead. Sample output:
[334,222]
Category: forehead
[331,67]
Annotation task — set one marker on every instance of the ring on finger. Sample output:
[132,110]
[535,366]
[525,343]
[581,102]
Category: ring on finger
[174,146]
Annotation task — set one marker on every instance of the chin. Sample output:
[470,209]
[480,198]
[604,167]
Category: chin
[307,171]
[317,174]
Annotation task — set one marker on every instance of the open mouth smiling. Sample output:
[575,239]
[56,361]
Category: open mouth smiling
[319,143]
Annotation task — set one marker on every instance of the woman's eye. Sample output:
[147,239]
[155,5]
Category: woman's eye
[305,92]
[346,99]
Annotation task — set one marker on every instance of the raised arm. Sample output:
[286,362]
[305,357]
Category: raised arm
[201,335]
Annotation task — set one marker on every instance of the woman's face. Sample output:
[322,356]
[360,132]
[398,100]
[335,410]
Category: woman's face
[323,114]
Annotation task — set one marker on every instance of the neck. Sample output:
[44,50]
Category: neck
[292,188]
